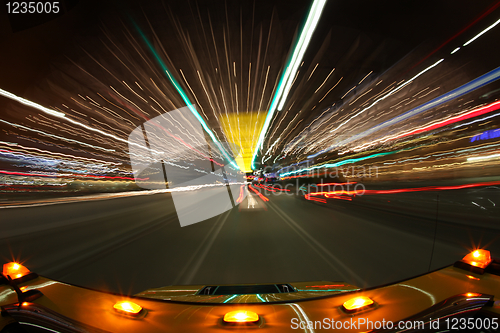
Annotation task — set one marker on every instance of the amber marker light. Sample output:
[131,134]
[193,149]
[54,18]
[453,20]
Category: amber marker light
[357,304]
[241,316]
[478,258]
[472,294]
[128,308]
[14,270]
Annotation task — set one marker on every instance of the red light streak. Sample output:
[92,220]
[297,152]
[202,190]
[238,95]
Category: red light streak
[309,197]
[242,191]
[336,194]
[330,196]
[258,193]
[272,188]
[471,114]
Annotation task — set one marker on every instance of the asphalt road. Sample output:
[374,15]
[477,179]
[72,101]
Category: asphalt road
[130,244]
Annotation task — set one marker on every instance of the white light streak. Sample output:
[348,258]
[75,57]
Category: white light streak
[482,32]
[389,94]
[479,158]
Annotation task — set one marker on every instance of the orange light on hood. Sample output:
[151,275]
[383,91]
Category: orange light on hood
[14,270]
[128,308]
[357,303]
[241,316]
[478,258]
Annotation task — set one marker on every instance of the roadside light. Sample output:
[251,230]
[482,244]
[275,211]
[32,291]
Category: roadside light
[478,258]
[241,316]
[357,304]
[14,270]
[128,308]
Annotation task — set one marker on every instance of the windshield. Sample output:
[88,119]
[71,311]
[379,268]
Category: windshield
[147,144]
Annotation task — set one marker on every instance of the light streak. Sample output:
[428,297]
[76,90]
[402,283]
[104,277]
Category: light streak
[60,115]
[230,298]
[449,96]
[482,32]
[365,77]
[403,190]
[56,136]
[324,81]
[56,153]
[258,193]
[491,134]
[387,95]
[473,113]
[291,68]
[184,97]
[12,173]
[347,92]
[337,164]
[479,158]
[305,37]
[312,71]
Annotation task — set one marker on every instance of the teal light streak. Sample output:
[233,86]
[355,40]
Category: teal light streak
[230,298]
[302,46]
[184,97]
[291,69]
[337,164]
[263,300]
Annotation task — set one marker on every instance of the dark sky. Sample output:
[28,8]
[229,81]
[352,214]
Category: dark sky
[26,53]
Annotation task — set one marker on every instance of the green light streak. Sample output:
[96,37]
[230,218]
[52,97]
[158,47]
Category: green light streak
[185,98]
[291,68]
[230,298]
[337,164]
[304,40]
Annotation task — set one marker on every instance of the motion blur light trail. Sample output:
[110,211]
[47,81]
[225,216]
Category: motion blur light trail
[62,115]
[291,69]
[272,188]
[454,119]
[487,157]
[64,175]
[337,164]
[464,29]
[454,94]
[258,193]
[337,194]
[174,82]
[491,134]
